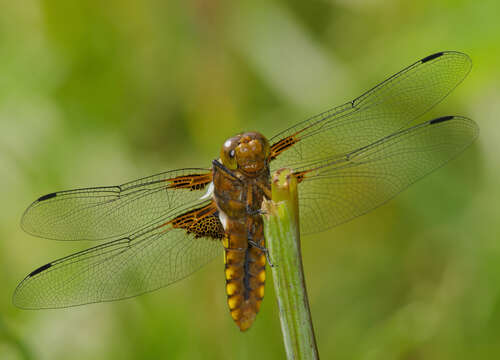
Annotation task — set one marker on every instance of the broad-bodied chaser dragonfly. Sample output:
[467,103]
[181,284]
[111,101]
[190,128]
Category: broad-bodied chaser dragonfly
[160,229]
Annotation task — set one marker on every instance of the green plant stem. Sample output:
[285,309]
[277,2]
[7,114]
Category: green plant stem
[281,228]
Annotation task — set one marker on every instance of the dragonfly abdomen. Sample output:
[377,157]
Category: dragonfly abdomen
[245,269]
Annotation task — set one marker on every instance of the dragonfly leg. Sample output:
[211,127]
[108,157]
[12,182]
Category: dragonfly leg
[265,189]
[251,211]
[263,249]
[221,167]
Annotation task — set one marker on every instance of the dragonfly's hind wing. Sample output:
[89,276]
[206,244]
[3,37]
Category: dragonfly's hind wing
[168,250]
[341,188]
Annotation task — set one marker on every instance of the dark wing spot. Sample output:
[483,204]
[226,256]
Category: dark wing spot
[40,269]
[441,119]
[47,197]
[431,57]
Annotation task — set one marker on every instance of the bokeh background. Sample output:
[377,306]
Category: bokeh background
[102,92]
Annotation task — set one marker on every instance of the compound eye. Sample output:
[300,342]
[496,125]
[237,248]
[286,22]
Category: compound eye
[228,153]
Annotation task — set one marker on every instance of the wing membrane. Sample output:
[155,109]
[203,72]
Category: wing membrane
[385,109]
[341,188]
[122,268]
[113,212]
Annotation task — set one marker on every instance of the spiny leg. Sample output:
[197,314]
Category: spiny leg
[263,249]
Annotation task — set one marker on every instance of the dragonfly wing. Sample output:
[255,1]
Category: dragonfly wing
[338,189]
[146,260]
[113,212]
[383,110]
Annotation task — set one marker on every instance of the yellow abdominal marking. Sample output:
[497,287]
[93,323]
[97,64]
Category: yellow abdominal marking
[230,273]
[260,291]
[231,288]
[236,314]
[262,260]
[262,276]
[234,301]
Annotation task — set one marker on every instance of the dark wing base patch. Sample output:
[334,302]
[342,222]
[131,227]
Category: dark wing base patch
[201,222]
[280,146]
[192,182]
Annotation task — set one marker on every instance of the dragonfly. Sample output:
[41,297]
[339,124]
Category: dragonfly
[159,229]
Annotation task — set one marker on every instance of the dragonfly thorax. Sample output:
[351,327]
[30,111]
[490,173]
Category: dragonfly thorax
[247,152]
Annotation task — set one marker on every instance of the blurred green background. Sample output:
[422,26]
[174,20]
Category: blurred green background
[99,93]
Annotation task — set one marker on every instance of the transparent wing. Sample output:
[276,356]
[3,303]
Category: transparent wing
[122,268]
[383,110]
[113,212]
[337,189]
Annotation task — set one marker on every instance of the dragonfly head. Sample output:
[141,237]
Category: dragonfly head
[248,152]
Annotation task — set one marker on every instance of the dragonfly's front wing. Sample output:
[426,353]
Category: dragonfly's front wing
[388,107]
[115,212]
